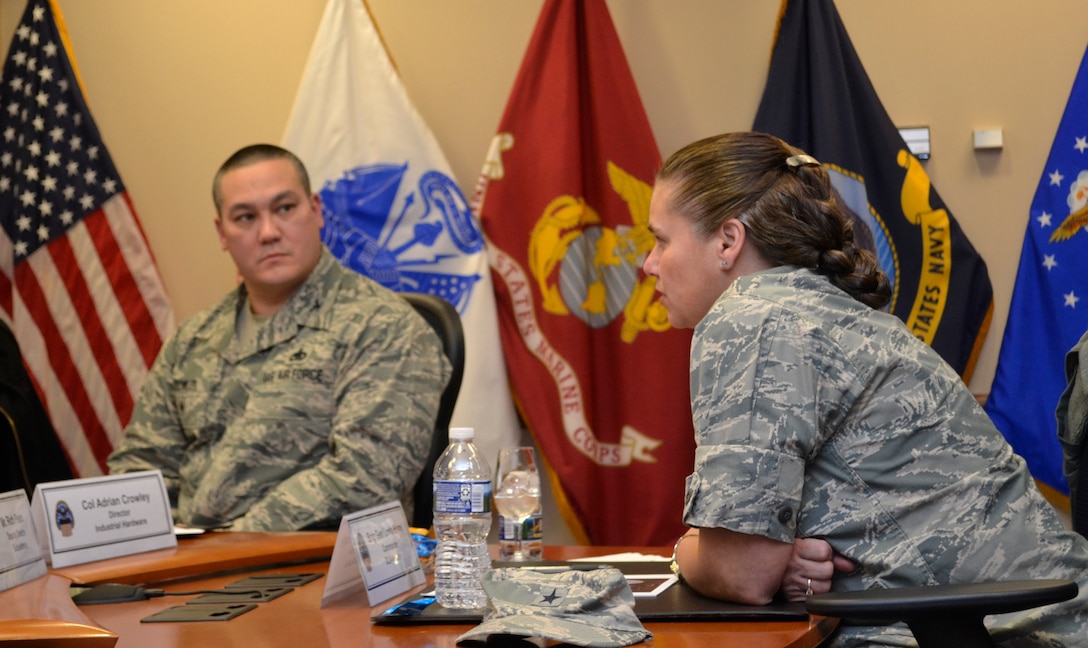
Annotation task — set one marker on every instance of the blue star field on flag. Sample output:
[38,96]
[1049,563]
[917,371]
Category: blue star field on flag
[54,169]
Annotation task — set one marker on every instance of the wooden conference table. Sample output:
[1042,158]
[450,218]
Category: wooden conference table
[43,608]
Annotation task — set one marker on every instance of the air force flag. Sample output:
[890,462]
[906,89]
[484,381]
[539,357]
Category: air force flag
[1046,317]
[392,210]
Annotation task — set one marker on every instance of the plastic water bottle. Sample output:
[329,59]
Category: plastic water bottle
[462,520]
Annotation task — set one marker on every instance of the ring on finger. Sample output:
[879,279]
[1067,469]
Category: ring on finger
[808,588]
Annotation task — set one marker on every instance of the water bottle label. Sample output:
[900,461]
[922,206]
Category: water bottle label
[531,529]
[532,538]
[462,497]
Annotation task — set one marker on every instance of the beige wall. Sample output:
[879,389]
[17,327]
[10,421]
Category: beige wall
[177,86]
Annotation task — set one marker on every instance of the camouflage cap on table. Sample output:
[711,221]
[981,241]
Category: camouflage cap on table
[583,608]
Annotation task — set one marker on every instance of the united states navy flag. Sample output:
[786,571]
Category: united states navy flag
[1049,312]
[819,98]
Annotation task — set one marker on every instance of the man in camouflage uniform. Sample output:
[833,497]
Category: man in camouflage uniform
[818,416]
[307,393]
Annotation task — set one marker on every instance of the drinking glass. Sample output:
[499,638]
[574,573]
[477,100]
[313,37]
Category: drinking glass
[517,488]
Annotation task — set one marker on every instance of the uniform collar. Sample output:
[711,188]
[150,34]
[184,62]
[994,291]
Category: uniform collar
[307,308]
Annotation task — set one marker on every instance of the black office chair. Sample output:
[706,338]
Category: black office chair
[443,318]
[943,615]
[1073,434]
[30,451]
[1079,496]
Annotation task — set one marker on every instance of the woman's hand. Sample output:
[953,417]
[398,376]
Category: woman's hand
[812,565]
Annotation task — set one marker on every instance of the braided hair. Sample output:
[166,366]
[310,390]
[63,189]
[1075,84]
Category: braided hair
[786,202]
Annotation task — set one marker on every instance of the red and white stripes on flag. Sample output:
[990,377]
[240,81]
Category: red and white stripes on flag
[78,284]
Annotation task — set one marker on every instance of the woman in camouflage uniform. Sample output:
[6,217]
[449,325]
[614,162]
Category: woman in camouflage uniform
[819,416]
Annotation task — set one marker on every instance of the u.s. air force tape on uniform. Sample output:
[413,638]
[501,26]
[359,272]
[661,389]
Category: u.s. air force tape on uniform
[583,608]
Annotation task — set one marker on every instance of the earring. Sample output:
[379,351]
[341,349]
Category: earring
[725,264]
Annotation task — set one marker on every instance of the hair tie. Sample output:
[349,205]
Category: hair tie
[795,161]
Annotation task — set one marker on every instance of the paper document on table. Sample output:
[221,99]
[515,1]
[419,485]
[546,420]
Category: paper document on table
[648,585]
[642,585]
[630,556]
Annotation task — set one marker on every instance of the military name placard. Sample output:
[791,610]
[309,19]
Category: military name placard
[374,552]
[21,557]
[81,520]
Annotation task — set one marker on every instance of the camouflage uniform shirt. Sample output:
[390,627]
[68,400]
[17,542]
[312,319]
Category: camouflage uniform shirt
[817,416]
[328,410]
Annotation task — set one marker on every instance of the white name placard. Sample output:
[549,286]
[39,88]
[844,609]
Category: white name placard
[21,557]
[374,552]
[81,520]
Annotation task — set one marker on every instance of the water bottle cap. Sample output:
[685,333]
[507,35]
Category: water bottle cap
[461,433]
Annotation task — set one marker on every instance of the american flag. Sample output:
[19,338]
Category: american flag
[78,284]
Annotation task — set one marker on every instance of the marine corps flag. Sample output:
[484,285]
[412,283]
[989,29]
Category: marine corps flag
[1049,310]
[819,98]
[564,196]
[392,209]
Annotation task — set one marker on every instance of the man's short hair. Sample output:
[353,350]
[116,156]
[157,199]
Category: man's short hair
[252,154]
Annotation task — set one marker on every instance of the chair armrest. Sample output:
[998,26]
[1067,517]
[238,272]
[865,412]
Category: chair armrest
[900,604]
[942,615]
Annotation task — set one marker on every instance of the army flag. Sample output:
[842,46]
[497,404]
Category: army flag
[819,98]
[1049,310]
[392,209]
[564,195]
[78,284]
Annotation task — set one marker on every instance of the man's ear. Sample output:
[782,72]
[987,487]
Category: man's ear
[219,233]
[315,205]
